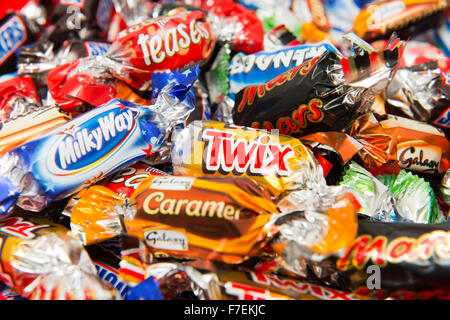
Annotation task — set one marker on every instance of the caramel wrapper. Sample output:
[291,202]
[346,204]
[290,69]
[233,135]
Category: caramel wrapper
[415,145]
[181,216]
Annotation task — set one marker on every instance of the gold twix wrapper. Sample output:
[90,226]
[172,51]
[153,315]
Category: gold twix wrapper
[277,162]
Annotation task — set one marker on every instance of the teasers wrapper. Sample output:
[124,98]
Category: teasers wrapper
[42,261]
[81,152]
[186,217]
[380,18]
[233,23]
[325,93]
[278,163]
[258,68]
[168,43]
[415,145]
[413,259]
[27,126]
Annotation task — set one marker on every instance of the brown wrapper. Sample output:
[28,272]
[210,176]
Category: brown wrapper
[415,145]
[195,218]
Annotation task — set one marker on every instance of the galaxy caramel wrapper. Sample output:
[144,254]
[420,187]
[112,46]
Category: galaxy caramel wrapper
[415,145]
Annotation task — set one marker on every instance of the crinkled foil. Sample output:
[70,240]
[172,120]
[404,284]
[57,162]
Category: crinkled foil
[175,278]
[445,187]
[58,263]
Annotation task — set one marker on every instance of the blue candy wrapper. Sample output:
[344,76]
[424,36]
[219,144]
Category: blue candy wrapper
[88,148]
[254,69]
[145,290]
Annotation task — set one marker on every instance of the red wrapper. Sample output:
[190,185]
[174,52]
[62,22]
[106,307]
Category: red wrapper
[15,95]
[247,29]
[166,43]
[125,181]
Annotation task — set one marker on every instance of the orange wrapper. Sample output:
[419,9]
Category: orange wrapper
[17,131]
[210,218]
[415,145]
[382,17]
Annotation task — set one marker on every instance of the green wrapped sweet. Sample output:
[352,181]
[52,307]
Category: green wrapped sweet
[375,198]
[415,199]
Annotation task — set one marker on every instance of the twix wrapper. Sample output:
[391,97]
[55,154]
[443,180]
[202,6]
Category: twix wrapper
[415,145]
[277,162]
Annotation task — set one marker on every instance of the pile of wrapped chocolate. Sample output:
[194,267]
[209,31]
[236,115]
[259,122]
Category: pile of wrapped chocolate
[223,150]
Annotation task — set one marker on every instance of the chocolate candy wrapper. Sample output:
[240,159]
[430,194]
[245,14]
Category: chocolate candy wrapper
[171,216]
[414,197]
[38,59]
[415,145]
[445,188]
[255,69]
[278,38]
[332,150]
[234,24]
[375,198]
[43,261]
[334,93]
[18,96]
[413,261]
[380,18]
[17,30]
[107,264]
[209,280]
[278,163]
[183,40]
[86,149]
[420,93]
[15,132]
[85,19]
[126,180]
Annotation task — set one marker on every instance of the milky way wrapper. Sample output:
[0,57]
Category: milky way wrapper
[415,145]
[277,162]
[396,260]
[326,93]
[42,260]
